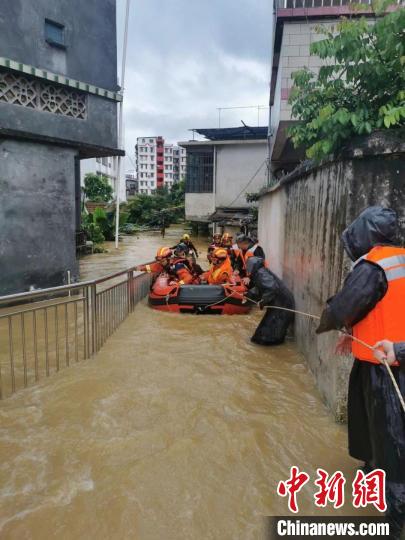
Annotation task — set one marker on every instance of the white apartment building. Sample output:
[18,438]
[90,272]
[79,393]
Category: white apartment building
[106,166]
[158,164]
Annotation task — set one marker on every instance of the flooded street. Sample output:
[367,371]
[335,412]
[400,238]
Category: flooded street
[179,428]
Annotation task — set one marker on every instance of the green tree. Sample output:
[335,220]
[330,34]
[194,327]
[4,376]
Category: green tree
[100,225]
[359,90]
[97,188]
[163,207]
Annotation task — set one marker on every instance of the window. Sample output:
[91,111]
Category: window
[55,34]
[199,178]
[143,140]
[151,140]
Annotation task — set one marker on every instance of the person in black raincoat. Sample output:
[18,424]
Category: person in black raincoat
[376,423]
[267,288]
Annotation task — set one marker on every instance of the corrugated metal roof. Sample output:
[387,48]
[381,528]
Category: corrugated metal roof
[238,133]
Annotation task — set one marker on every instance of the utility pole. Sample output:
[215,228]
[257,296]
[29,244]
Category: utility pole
[120,125]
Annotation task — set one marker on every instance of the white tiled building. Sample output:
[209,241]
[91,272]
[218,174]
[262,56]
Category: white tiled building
[106,166]
[158,164]
[296,24]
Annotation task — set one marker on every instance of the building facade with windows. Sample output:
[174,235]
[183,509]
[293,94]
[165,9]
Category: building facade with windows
[104,166]
[296,26]
[57,107]
[131,184]
[221,170]
[158,164]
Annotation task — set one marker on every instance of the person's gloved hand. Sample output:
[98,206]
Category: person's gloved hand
[384,350]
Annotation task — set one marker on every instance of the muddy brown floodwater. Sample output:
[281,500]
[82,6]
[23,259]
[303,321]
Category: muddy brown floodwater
[179,428]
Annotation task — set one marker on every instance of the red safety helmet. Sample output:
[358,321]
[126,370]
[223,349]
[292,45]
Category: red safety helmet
[164,253]
[226,239]
[220,253]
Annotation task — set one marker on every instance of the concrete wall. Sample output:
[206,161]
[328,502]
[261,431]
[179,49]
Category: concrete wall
[318,203]
[37,216]
[90,27]
[199,206]
[271,227]
[235,166]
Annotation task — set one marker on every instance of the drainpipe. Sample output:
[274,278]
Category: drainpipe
[120,126]
[214,184]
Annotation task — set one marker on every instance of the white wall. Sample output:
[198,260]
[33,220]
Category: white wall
[235,166]
[271,227]
[199,206]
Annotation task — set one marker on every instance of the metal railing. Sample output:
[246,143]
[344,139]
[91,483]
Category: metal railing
[46,330]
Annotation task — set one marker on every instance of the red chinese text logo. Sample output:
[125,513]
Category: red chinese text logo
[370,489]
[366,489]
[330,489]
[292,486]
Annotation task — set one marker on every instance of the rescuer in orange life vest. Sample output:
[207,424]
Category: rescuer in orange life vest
[166,261]
[227,242]
[371,303]
[216,239]
[182,252]
[221,269]
[242,250]
[216,242]
[186,241]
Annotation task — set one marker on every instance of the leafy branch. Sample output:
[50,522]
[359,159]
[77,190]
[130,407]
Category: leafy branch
[360,88]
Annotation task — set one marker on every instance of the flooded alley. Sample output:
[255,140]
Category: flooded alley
[179,428]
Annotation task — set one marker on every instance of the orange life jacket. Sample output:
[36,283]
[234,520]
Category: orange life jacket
[386,320]
[183,273]
[219,274]
[244,255]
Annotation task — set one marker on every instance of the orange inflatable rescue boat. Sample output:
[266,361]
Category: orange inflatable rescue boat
[226,299]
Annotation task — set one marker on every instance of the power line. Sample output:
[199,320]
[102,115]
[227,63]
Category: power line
[248,184]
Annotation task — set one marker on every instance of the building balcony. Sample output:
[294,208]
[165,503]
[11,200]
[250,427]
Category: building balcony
[291,9]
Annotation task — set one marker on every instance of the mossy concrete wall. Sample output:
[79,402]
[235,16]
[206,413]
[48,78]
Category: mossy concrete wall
[318,203]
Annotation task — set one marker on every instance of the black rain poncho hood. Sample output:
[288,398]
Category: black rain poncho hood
[374,226]
[253,265]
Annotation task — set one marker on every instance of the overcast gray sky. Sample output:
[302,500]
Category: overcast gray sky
[188,57]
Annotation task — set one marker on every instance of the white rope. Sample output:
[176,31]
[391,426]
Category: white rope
[384,360]
[222,300]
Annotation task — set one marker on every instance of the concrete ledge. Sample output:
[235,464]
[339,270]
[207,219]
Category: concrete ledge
[379,143]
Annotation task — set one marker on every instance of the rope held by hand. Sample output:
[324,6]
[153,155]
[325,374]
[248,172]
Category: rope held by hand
[384,360]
